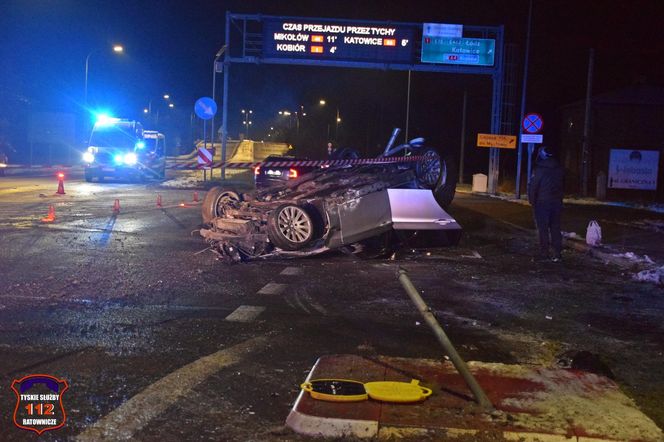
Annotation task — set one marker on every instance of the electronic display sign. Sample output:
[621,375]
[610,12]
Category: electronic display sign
[338,40]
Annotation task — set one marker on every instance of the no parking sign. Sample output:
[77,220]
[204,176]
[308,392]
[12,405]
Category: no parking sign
[532,123]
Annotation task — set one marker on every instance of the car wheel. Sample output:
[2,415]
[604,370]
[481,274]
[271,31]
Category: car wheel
[430,169]
[446,186]
[215,200]
[290,227]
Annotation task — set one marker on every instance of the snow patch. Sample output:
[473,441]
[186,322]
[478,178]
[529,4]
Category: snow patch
[184,182]
[633,257]
[655,275]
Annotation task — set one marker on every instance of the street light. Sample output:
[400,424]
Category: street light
[247,122]
[148,110]
[118,49]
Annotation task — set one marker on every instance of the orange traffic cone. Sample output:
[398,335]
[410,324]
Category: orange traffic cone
[61,184]
[182,204]
[116,206]
[159,200]
[196,197]
[51,215]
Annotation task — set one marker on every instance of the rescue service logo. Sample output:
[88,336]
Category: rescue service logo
[39,405]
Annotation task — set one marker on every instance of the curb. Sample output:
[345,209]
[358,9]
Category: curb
[533,404]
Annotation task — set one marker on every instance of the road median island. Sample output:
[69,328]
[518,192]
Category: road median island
[532,403]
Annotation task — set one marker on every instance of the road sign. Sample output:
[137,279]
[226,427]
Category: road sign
[205,156]
[532,123]
[442,30]
[468,51]
[343,40]
[532,138]
[205,108]
[495,140]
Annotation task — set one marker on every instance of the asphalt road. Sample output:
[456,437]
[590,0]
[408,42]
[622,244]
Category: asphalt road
[132,311]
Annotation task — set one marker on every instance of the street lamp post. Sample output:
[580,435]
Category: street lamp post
[118,49]
[247,121]
[148,110]
[337,120]
[217,56]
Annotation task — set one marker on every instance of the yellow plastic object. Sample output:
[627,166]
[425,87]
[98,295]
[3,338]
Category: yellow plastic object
[336,390]
[402,392]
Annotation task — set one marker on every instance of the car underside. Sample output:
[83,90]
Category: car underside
[367,210]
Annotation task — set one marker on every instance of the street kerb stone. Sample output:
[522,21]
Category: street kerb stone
[532,403]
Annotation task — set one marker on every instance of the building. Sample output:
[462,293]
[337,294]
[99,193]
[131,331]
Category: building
[626,143]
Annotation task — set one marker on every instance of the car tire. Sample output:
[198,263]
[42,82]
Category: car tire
[446,187]
[214,201]
[429,169]
[290,227]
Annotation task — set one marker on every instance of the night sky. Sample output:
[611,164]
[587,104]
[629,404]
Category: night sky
[169,47]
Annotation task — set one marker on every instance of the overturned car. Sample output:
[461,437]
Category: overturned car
[365,209]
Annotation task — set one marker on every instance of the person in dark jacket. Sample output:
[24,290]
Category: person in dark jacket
[546,196]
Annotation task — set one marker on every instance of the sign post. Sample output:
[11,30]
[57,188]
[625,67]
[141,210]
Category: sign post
[531,126]
[205,108]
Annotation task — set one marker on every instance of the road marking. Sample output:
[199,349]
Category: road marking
[272,288]
[129,418]
[245,313]
[291,271]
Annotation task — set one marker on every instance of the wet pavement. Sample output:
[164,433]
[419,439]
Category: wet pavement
[131,311]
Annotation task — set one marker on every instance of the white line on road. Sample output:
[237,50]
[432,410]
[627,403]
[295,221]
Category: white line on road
[272,288]
[245,313]
[129,418]
[291,271]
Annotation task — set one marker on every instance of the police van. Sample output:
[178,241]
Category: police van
[122,149]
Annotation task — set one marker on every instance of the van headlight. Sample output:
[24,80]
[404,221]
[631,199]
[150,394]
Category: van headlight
[130,159]
[88,157]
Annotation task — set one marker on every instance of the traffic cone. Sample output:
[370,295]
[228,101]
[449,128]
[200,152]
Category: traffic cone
[116,206]
[159,200]
[196,197]
[182,204]
[61,184]
[51,215]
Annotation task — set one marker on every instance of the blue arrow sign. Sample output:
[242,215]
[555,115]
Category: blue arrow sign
[205,108]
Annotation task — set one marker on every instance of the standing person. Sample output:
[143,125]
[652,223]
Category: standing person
[330,149]
[546,196]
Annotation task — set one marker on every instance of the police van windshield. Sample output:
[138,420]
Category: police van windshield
[113,136]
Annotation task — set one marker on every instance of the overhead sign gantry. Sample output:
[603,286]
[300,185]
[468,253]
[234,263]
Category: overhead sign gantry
[426,47]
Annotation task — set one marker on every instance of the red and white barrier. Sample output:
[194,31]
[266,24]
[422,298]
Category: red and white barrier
[305,163]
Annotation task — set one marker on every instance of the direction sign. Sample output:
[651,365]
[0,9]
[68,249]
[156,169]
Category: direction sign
[205,108]
[532,138]
[495,140]
[532,123]
[469,51]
